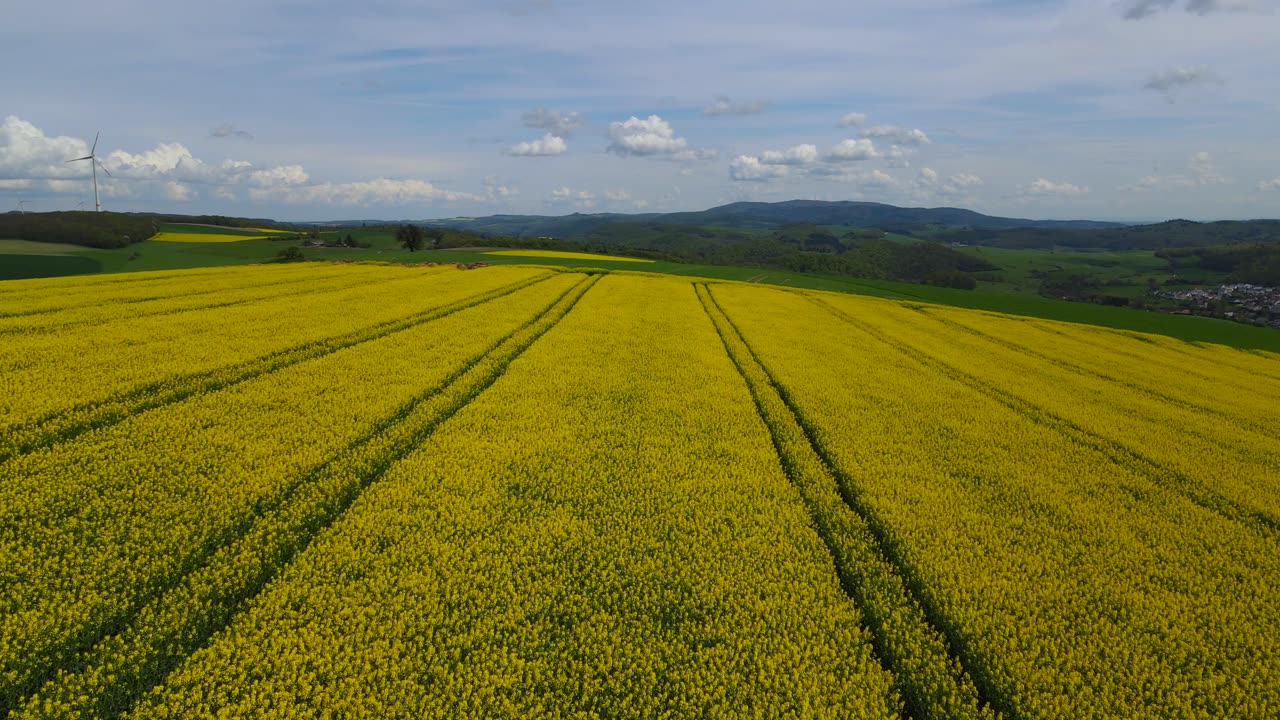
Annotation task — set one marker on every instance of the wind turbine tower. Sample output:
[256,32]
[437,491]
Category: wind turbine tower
[93,160]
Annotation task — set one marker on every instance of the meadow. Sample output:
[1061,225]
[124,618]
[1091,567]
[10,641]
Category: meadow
[367,490]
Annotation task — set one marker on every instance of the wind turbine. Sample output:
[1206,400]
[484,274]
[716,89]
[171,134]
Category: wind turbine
[93,160]
[22,207]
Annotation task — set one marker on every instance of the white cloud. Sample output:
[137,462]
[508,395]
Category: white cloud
[852,151]
[177,191]
[549,145]
[1202,172]
[280,176]
[724,105]
[898,156]
[853,119]
[494,189]
[27,153]
[581,199]
[15,184]
[1204,169]
[897,135]
[930,183]
[870,179]
[69,186]
[1048,188]
[651,136]
[746,168]
[1269,185]
[559,124]
[162,159]
[798,155]
[382,191]
[696,155]
[617,195]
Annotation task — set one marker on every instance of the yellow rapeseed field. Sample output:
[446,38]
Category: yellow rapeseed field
[193,237]
[323,490]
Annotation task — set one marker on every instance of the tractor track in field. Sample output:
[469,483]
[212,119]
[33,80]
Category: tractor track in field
[202,598]
[172,311]
[1155,358]
[93,300]
[1240,422]
[1161,475]
[927,657]
[64,425]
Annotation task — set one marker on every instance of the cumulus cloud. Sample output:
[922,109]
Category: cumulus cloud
[548,146]
[559,124]
[582,199]
[746,168]
[382,191]
[288,175]
[869,179]
[177,191]
[724,105]
[617,195]
[1269,185]
[1048,188]
[27,153]
[798,155]
[696,155]
[1139,9]
[1202,171]
[852,151]
[494,189]
[930,183]
[228,130]
[650,136]
[897,136]
[853,119]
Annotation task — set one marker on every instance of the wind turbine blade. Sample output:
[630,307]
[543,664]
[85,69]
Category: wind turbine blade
[86,157]
[95,143]
[103,169]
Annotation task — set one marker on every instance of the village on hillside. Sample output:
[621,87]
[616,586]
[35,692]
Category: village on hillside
[1241,302]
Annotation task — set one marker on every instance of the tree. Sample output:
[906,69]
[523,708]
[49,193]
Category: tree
[349,241]
[291,254]
[410,237]
[437,236]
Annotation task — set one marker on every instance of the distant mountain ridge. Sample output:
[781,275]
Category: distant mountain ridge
[759,215]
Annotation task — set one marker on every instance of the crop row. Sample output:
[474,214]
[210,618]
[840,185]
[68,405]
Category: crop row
[109,677]
[1222,464]
[241,343]
[932,680]
[1074,584]
[605,532]
[102,313]
[93,528]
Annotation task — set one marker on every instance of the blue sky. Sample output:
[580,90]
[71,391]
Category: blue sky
[1110,109]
